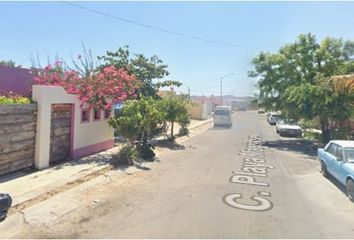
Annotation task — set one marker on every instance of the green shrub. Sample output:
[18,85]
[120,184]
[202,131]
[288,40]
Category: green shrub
[314,123]
[138,120]
[14,100]
[128,155]
[312,136]
[183,131]
[146,150]
[341,133]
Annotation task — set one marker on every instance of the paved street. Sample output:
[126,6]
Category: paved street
[196,191]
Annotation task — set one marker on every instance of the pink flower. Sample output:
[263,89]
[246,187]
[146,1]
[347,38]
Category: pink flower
[49,67]
[94,91]
[58,63]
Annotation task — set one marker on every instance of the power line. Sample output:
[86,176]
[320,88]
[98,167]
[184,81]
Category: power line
[216,91]
[158,28]
[214,86]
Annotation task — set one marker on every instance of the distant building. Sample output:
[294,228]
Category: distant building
[165,93]
[200,111]
[235,103]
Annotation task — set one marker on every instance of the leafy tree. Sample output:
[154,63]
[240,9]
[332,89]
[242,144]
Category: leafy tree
[146,69]
[168,83]
[138,122]
[175,110]
[9,63]
[295,79]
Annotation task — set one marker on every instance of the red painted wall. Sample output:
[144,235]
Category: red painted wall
[16,80]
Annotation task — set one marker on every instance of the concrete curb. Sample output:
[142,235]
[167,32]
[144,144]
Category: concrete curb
[202,124]
[16,216]
[45,193]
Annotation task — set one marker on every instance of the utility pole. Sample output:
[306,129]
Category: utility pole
[221,91]
[189,94]
[221,85]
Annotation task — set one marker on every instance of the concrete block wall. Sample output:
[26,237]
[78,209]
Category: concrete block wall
[17,136]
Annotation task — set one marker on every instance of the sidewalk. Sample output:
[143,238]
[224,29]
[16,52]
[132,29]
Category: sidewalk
[194,125]
[30,189]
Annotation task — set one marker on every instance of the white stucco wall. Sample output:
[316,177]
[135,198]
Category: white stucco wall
[92,132]
[84,134]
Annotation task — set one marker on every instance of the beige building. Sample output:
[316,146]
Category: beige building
[200,111]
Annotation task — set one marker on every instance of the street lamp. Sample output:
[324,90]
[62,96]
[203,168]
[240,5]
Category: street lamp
[229,74]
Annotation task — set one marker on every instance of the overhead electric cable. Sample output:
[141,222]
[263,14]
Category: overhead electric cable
[157,28]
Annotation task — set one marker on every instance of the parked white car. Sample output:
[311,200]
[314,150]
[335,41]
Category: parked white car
[222,116]
[288,128]
[261,111]
[273,118]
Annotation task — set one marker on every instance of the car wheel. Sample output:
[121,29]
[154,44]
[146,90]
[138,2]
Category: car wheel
[277,131]
[350,189]
[324,170]
[3,216]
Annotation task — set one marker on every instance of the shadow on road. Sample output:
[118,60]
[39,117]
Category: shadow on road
[220,128]
[172,145]
[141,167]
[17,174]
[99,159]
[294,145]
[337,184]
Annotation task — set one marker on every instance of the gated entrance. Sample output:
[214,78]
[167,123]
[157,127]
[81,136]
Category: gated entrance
[60,133]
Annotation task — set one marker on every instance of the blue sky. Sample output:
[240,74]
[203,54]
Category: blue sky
[56,28]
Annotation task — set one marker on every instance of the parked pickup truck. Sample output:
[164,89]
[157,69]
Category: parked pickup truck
[337,160]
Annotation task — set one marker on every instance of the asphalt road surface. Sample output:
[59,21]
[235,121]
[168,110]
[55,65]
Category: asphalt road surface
[239,182]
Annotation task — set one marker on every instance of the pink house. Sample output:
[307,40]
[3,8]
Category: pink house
[16,80]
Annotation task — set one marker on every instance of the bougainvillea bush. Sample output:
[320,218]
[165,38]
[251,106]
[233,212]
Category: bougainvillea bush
[100,89]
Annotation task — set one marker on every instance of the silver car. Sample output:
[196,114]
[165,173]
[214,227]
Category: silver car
[288,128]
[273,118]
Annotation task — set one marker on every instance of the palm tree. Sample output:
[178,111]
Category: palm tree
[343,84]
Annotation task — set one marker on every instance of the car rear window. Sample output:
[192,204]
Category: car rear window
[222,112]
[290,122]
[349,152]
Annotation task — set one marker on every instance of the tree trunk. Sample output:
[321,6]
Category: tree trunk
[172,124]
[326,135]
